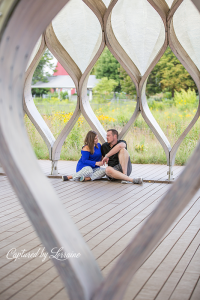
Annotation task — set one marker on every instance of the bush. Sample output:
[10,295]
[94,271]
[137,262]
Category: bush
[185,99]
[122,120]
[64,95]
[156,105]
[167,95]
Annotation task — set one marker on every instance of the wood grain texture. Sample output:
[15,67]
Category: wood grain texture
[81,277]
[107,229]
[152,231]
[29,105]
[36,195]
[139,81]
[80,81]
[197,4]
[145,111]
[187,62]
[6,9]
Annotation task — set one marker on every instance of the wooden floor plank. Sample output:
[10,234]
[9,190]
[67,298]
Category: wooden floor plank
[153,285]
[175,277]
[189,280]
[108,215]
[196,291]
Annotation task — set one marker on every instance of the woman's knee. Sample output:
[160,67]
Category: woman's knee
[87,170]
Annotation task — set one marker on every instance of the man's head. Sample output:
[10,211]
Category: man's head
[112,136]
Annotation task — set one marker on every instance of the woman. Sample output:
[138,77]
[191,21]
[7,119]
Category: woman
[88,167]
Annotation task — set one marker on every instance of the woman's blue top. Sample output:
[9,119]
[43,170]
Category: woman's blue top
[88,159]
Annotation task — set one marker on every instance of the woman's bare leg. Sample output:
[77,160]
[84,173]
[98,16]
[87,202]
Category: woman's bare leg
[87,179]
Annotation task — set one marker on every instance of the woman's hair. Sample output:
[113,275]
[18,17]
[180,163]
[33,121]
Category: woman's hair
[89,140]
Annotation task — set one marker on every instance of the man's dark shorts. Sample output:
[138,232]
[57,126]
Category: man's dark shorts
[119,168]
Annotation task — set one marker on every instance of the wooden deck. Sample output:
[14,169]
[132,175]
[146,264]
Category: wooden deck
[108,215]
[154,173]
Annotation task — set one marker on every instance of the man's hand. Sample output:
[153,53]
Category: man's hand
[105,160]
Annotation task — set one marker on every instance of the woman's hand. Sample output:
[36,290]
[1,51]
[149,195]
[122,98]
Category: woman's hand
[99,163]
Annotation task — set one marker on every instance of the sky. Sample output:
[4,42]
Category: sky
[54,61]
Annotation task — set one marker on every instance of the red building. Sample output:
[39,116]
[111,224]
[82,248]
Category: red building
[61,71]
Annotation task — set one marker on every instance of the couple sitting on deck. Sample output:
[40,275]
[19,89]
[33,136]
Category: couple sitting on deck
[94,156]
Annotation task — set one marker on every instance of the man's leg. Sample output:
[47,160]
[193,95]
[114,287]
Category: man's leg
[111,172]
[123,160]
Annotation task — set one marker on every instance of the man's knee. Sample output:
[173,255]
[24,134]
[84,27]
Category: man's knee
[123,151]
[109,171]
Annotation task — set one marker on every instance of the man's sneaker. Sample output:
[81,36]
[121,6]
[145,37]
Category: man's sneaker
[125,182]
[138,180]
[65,178]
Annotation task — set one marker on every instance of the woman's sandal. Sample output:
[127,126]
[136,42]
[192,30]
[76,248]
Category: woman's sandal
[65,178]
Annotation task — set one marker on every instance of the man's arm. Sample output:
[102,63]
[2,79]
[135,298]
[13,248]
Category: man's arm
[114,150]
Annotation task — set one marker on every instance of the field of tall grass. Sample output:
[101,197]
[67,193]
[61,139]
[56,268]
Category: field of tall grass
[173,116]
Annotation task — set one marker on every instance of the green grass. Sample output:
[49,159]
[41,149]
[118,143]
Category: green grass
[142,144]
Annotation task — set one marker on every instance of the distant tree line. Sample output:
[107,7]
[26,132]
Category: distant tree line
[168,75]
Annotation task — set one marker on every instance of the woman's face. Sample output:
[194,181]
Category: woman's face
[96,139]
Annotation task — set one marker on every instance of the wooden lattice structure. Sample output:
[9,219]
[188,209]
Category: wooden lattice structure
[138,43]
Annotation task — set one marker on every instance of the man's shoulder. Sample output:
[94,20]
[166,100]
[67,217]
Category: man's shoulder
[121,141]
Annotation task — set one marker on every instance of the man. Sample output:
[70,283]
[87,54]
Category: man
[117,157]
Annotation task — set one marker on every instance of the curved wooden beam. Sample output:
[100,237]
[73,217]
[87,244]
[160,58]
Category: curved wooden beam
[197,4]
[98,8]
[62,137]
[174,7]
[1,169]
[176,199]
[161,7]
[73,70]
[162,10]
[84,101]
[80,81]
[124,60]
[133,118]
[53,225]
[189,65]
[6,8]
[62,56]
[82,276]
[29,105]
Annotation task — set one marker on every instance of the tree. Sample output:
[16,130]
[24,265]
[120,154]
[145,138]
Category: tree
[107,66]
[153,83]
[105,86]
[39,92]
[40,74]
[168,75]
[126,83]
[128,86]
[173,75]
[46,62]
